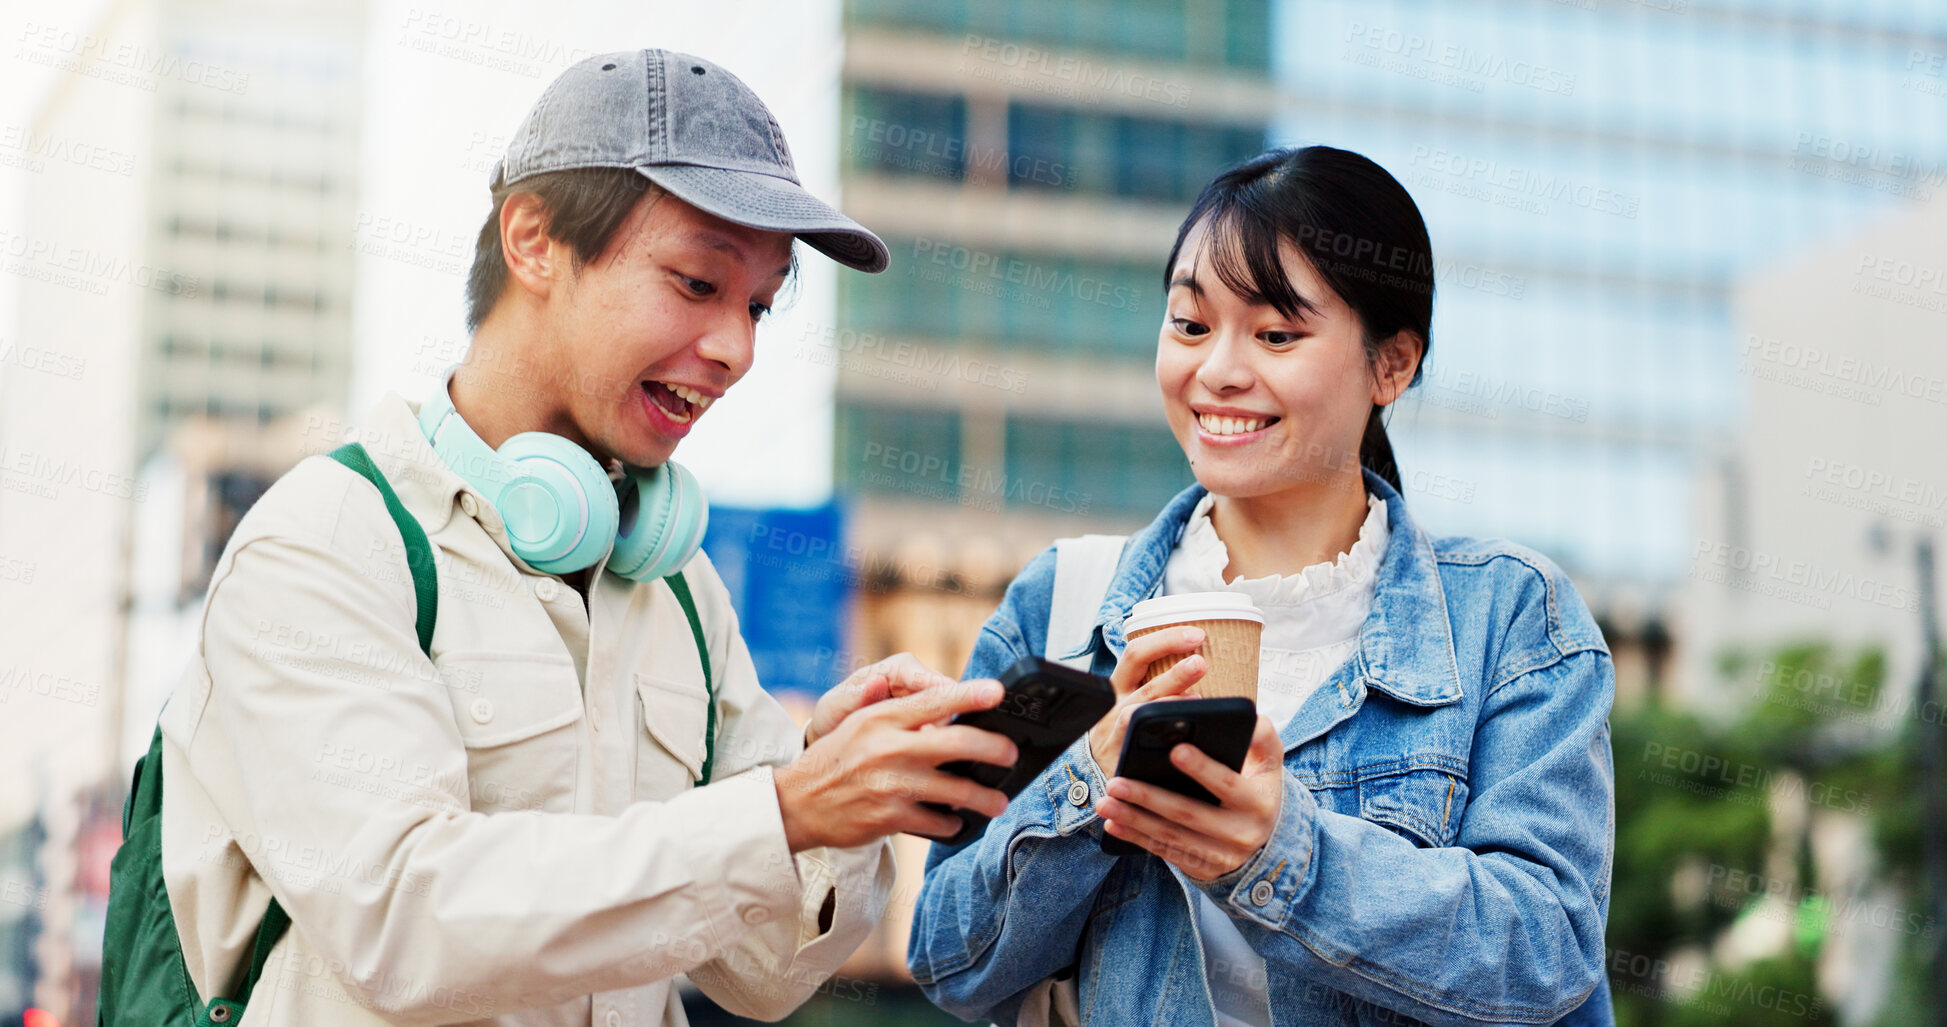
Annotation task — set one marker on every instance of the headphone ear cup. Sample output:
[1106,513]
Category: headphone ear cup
[664,516]
[561,509]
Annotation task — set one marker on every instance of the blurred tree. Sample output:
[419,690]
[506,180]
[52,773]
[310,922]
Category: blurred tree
[1697,848]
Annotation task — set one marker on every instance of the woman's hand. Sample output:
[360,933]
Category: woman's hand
[1105,738]
[1206,841]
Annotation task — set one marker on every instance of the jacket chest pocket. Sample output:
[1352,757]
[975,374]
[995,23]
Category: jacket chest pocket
[669,758]
[516,713]
[1420,801]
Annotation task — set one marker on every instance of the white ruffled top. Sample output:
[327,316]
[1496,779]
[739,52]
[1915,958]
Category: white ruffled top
[1311,627]
[1311,618]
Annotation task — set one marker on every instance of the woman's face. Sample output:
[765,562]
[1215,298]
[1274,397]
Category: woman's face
[1265,404]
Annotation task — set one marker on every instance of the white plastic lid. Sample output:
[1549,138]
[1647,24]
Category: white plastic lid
[1190,606]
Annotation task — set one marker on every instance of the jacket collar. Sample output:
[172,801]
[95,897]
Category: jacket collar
[430,490]
[1406,645]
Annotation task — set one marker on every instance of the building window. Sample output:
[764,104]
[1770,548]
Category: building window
[892,132]
[898,451]
[1060,466]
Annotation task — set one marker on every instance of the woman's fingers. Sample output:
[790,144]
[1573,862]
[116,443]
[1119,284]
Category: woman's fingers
[1174,681]
[1146,649]
[1267,750]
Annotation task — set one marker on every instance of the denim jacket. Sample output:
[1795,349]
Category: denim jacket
[1441,855]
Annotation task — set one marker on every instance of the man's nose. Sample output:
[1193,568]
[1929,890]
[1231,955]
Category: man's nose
[731,342]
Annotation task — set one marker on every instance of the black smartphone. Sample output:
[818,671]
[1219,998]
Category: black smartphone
[1047,707]
[1220,727]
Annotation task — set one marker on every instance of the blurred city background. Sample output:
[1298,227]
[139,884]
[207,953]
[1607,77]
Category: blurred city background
[1688,342]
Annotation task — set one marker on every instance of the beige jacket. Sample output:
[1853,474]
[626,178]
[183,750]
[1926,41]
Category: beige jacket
[508,833]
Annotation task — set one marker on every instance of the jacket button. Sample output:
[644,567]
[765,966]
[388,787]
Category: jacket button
[595,717]
[469,505]
[613,1019]
[546,589]
[1077,793]
[483,710]
[1261,893]
[756,915]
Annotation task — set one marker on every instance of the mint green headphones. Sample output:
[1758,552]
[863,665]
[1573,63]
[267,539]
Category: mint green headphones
[562,511]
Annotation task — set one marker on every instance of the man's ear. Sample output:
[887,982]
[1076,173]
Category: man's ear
[1395,364]
[525,245]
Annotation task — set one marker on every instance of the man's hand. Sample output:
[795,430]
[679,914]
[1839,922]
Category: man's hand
[865,778]
[898,675]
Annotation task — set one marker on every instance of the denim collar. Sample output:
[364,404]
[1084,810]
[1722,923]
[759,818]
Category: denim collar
[1406,646]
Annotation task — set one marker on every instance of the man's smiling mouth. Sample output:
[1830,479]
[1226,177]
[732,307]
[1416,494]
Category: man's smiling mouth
[680,402]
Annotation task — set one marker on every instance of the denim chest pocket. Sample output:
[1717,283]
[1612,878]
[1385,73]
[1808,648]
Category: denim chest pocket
[516,713]
[1420,799]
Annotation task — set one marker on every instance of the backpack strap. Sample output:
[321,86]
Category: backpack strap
[1084,567]
[681,587]
[419,552]
[145,981]
[425,586]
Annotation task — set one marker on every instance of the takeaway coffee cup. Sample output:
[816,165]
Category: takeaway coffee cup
[1232,627]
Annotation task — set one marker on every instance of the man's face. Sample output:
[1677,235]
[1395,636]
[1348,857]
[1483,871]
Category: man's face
[657,327]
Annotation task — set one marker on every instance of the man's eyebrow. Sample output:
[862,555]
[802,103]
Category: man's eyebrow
[722,244]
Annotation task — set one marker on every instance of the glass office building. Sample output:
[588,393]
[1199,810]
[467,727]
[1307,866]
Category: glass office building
[1597,178]
[1027,163]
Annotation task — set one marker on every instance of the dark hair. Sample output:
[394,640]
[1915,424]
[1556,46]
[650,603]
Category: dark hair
[584,208]
[1357,226]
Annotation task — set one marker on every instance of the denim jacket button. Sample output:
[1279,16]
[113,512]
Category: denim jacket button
[1261,893]
[1077,793]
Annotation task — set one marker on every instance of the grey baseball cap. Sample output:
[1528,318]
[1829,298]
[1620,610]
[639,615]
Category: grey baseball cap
[692,128]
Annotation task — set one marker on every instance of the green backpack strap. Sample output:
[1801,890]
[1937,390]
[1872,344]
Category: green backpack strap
[419,552]
[144,981]
[688,602]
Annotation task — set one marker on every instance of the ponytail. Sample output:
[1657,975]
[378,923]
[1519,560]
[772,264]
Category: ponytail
[1376,450]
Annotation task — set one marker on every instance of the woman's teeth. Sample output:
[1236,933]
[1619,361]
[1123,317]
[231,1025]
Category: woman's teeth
[1217,425]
